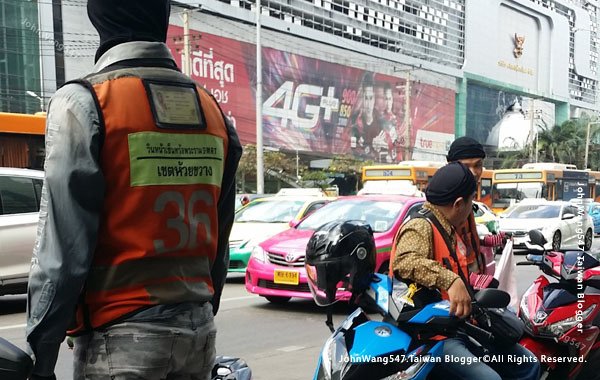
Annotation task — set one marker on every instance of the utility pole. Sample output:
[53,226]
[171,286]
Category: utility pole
[407,119]
[186,42]
[260,168]
[531,116]
[297,165]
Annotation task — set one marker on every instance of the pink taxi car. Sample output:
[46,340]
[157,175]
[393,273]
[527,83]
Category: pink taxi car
[276,266]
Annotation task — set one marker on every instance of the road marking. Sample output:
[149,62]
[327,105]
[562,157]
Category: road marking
[223,300]
[291,348]
[238,298]
[13,327]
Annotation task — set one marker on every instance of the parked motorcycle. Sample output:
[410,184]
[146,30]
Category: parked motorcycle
[562,317]
[17,365]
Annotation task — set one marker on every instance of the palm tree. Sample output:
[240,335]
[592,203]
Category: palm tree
[564,143]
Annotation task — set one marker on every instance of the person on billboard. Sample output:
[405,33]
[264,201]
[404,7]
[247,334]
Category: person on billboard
[388,140]
[136,210]
[365,124]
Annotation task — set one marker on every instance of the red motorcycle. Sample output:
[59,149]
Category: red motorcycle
[562,317]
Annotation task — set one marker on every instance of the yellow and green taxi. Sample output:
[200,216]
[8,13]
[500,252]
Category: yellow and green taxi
[485,216]
[263,218]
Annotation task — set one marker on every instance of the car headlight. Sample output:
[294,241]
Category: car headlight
[560,327]
[335,358]
[259,254]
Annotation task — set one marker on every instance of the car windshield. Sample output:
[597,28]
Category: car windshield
[269,211]
[506,193]
[479,211]
[535,211]
[381,215]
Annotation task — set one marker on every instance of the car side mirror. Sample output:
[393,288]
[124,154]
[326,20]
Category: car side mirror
[537,238]
[568,216]
[293,223]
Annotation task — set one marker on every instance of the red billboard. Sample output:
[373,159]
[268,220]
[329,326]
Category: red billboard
[319,106]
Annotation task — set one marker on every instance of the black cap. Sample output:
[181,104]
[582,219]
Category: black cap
[449,183]
[119,21]
[465,147]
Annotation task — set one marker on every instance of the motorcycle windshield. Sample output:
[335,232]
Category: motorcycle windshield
[576,261]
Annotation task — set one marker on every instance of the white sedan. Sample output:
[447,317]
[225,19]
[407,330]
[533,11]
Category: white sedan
[564,224]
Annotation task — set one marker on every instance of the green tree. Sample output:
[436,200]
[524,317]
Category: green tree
[349,166]
[280,162]
[317,178]
[564,143]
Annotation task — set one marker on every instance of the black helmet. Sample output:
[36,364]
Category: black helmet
[340,252]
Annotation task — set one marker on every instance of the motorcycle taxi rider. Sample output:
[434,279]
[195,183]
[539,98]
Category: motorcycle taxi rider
[421,255]
[469,152]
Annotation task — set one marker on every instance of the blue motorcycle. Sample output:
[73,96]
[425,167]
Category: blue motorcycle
[404,345]
[409,340]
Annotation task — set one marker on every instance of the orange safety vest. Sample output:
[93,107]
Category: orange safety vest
[158,232]
[442,255]
[471,239]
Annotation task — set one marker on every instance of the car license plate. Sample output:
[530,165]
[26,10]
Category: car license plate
[520,240]
[289,277]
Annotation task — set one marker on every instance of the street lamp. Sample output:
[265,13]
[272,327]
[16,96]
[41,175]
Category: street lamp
[587,143]
[33,94]
[260,160]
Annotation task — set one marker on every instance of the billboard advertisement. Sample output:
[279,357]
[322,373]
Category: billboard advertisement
[319,106]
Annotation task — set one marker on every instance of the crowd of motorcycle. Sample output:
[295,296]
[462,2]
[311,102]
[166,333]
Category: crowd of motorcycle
[558,321]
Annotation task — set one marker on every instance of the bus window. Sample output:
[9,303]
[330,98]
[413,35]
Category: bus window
[545,191]
[507,193]
[485,191]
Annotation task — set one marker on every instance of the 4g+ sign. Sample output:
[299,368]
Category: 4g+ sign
[301,107]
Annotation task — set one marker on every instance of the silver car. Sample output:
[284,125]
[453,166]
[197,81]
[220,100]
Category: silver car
[20,191]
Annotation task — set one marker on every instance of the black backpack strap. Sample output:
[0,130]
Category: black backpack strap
[474,241]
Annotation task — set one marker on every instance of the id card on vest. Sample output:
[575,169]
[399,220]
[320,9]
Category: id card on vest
[175,105]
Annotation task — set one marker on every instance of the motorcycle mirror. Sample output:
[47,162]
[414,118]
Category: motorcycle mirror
[14,363]
[534,258]
[492,298]
[537,238]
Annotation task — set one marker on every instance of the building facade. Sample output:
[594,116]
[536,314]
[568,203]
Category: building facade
[20,56]
[381,80]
